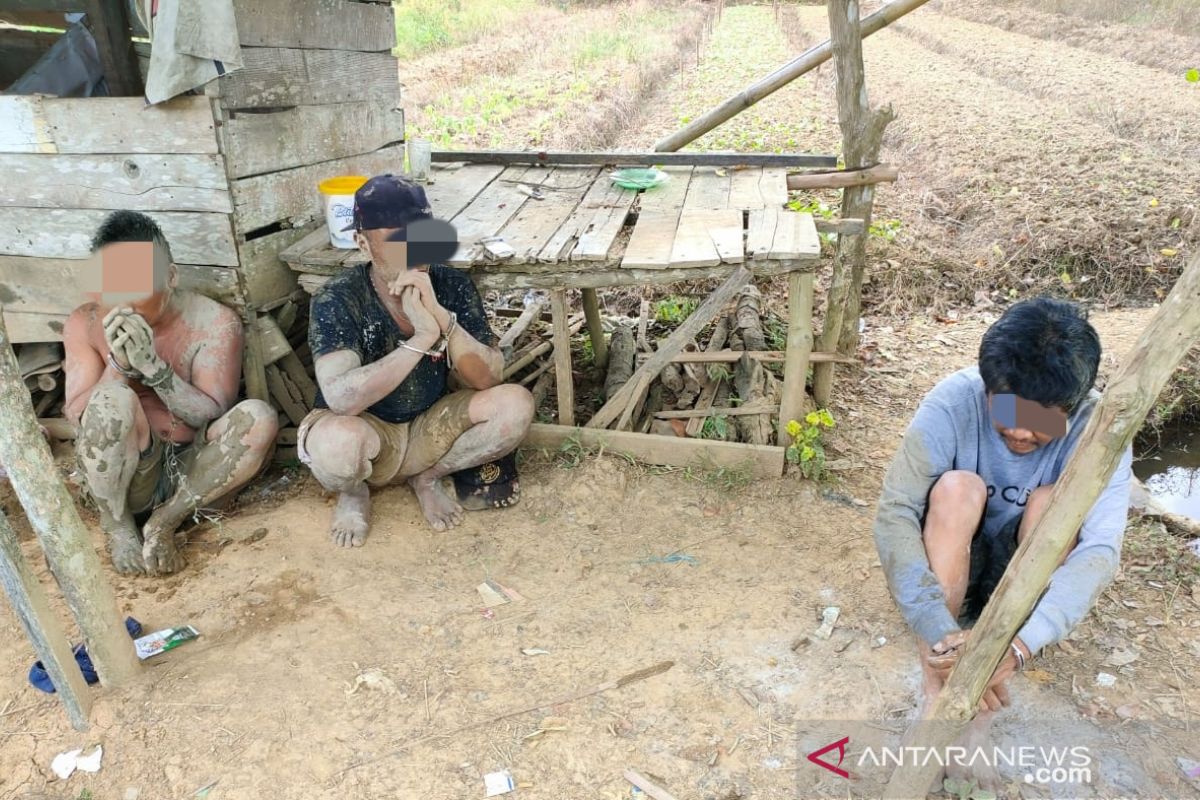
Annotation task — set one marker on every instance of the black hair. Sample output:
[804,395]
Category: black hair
[129,226]
[1042,350]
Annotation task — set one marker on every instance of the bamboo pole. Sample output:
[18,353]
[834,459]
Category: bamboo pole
[591,310]
[799,348]
[862,134]
[562,358]
[53,516]
[45,632]
[809,60]
[1129,397]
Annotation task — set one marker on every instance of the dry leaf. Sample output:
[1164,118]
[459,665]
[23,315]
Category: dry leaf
[1039,676]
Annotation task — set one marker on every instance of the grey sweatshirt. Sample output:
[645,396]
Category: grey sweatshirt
[952,430]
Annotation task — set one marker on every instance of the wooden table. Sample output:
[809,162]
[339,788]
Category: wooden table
[585,232]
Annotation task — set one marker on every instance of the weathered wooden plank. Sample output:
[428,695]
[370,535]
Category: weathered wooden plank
[264,274]
[315,239]
[761,232]
[650,244]
[32,326]
[694,245]
[762,461]
[487,214]
[532,226]
[274,77]
[291,195]
[795,237]
[97,125]
[20,50]
[195,237]
[29,600]
[798,354]
[744,188]
[326,24]
[599,232]
[219,283]
[707,158]
[708,191]
[563,378]
[596,206]
[267,142]
[133,182]
[452,190]
[773,187]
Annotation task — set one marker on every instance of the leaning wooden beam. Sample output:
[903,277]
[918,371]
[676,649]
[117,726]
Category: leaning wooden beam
[45,633]
[810,59]
[880,173]
[762,461]
[799,352]
[615,405]
[718,159]
[52,515]
[562,357]
[509,340]
[591,310]
[862,136]
[1127,399]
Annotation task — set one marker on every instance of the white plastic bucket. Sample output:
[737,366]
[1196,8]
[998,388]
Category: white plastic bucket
[338,197]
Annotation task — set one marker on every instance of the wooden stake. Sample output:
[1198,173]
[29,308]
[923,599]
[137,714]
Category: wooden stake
[562,358]
[799,348]
[615,405]
[1128,398]
[862,135]
[42,627]
[810,59]
[53,516]
[591,310]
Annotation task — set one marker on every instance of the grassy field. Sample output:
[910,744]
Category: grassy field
[1177,16]
[426,25]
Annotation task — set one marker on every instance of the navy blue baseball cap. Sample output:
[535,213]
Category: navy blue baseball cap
[388,201]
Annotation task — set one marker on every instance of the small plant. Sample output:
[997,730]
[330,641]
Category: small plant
[966,790]
[674,309]
[715,427]
[571,453]
[807,450]
[818,208]
[885,229]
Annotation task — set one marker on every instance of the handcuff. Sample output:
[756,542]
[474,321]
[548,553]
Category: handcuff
[161,377]
[441,351]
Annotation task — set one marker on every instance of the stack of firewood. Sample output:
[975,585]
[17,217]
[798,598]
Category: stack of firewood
[528,347]
[41,365]
[283,340]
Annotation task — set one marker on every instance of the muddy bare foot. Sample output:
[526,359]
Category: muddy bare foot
[441,511]
[161,555]
[351,517]
[125,545]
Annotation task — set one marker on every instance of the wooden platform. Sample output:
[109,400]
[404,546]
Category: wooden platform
[586,232]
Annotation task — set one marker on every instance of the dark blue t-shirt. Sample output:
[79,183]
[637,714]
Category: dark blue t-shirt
[347,314]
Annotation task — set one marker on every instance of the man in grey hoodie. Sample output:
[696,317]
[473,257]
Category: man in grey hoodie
[972,477]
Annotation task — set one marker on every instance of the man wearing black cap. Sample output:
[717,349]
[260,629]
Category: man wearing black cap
[386,337]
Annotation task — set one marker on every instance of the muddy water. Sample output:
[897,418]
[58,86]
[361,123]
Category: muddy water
[1172,472]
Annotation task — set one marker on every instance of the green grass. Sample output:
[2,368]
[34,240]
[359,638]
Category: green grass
[425,25]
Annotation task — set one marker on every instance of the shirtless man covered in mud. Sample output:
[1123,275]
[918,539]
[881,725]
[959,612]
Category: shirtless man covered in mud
[386,337]
[152,376]
[970,481]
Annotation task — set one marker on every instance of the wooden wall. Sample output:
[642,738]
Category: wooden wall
[231,176]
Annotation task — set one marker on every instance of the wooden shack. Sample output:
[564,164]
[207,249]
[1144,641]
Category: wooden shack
[229,172]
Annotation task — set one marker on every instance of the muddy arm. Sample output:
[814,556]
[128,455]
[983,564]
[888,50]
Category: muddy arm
[85,369]
[350,388]
[216,373]
[476,365]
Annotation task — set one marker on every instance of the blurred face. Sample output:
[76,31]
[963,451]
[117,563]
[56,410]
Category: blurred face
[1025,425]
[390,256]
[139,275]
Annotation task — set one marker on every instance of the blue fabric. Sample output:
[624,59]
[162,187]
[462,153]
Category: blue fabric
[39,678]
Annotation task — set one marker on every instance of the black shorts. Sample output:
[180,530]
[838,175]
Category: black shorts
[989,558]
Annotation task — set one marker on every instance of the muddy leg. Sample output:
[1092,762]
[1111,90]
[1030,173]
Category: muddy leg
[340,450]
[501,416]
[236,448]
[112,432]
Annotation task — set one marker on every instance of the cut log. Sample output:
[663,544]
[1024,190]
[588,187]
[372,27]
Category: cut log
[620,359]
[750,381]
[749,319]
[880,173]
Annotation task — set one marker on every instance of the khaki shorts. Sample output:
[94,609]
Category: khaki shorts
[405,448]
[158,471]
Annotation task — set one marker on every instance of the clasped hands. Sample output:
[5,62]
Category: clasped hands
[130,340]
[944,655]
[420,305]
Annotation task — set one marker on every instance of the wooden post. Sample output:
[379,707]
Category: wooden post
[49,641]
[1129,396]
[799,349]
[562,357]
[862,134]
[591,310]
[254,371]
[810,59]
[109,23]
[53,515]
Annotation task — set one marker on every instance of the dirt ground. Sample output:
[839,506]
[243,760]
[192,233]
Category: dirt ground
[376,673]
